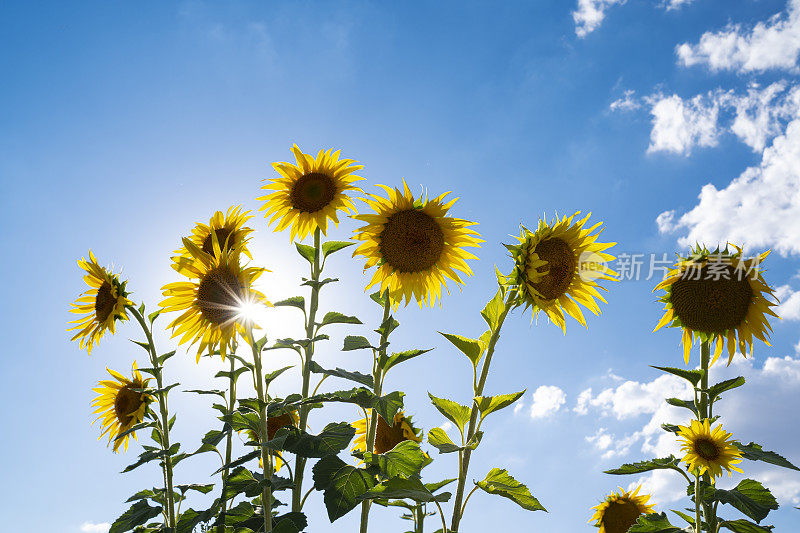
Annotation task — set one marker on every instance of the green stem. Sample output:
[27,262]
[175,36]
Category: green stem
[697,517]
[228,446]
[266,494]
[705,407]
[316,270]
[473,418]
[377,377]
[162,405]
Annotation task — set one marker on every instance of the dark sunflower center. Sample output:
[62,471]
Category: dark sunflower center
[274,423]
[707,449]
[219,296]
[620,516]
[126,402]
[222,236]
[560,268]
[312,192]
[411,241]
[104,302]
[704,300]
[387,437]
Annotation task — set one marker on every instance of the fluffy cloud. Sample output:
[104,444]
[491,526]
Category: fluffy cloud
[679,125]
[590,14]
[628,102]
[547,400]
[89,527]
[789,309]
[773,44]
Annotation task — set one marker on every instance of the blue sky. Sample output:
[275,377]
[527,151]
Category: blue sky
[123,124]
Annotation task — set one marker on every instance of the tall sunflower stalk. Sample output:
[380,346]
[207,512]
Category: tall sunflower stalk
[231,405]
[714,297]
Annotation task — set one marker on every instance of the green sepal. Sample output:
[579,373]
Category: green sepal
[498,481]
[342,485]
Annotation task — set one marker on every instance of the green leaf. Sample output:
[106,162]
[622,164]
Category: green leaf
[306,251]
[723,386]
[387,327]
[355,342]
[654,523]
[145,457]
[499,481]
[139,513]
[333,439]
[745,526]
[378,298]
[293,522]
[667,463]
[677,402]
[332,247]
[318,284]
[269,378]
[190,519]
[441,441]
[404,488]
[472,348]
[491,313]
[433,487]
[361,396]
[163,357]
[294,301]
[228,374]
[490,404]
[396,358]
[342,485]
[692,376]
[388,405]
[456,413]
[749,496]
[142,495]
[136,427]
[754,452]
[404,460]
[358,377]
[204,488]
[216,392]
[334,317]
[242,481]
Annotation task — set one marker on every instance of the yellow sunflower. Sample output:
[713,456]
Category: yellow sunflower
[309,193]
[557,267]
[414,244]
[214,300]
[386,436]
[274,423]
[708,449]
[620,511]
[103,304]
[121,405]
[716,296]
[228,229]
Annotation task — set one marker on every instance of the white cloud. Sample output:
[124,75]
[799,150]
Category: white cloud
[627,103]
[547,400]
[761,112]
[89,527]
[679,125]
[789,309]
[676,4]
[633,398]
[787,369]
[590,14]
[760,208]
[666,486]
[666,221]
[584,399]
[774,44]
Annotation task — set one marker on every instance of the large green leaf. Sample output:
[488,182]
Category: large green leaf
[294,301]
[398,357]
[749,496]
[139,513]
[670,463]
[745,526]
[499,481]
[654,523]
[441,441]
[491,313]
[686,404]
[404,488]
[723,386]
[456,413]
[754,452]
[333,439]
[306,251]
[404,460]
[490,404]
[388,405]
[342,485]
[355,342]
[334,317]
[358,377]
[293,522]
[692,376]
[472,348]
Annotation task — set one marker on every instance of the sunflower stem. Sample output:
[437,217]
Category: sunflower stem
[266,493]
[705,356]
[377,378]
[228,446]
[463,469]
[698,524]
[162,405]
[316,270]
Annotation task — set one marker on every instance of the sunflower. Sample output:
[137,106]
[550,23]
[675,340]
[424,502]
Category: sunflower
[274,423]
[557,267]
[717,296]
[102,304]
[309,193]
[386,436]
[228,229]
[620,511]
[213,299]
[414,244]
[121,405]
[708,449]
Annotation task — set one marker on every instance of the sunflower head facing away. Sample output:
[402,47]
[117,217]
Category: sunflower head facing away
[215,299]
[274,423]
[102,304]
[414,245]
[708,449]
[120,405]
[386,436]
[557,267]
[620,511]
[717,296]
[228,230]
[310,192]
